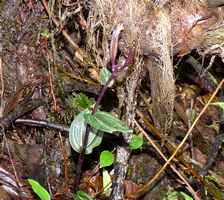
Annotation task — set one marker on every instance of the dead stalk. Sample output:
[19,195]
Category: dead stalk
[2,89]
[51,85]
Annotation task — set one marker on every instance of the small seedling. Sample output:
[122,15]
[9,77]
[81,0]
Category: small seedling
[104,76]
[39,190]
[136,142]
[106,159]
[80,195]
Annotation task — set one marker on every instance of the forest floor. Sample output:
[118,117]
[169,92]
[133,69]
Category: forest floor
[48,75]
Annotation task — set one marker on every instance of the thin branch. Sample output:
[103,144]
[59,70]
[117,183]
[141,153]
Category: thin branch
[51,85]
[171,147]
[191,190]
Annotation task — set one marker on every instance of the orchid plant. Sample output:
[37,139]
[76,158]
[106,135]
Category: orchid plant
[87,129]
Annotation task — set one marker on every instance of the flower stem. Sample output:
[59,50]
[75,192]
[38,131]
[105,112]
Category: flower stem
[86,137]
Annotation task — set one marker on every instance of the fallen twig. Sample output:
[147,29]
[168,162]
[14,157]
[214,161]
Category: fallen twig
[19,111]
[41,123]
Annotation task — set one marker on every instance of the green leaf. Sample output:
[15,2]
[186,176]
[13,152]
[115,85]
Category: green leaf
[41,192]
[186,196]
[136,142]
[104,75]
[219,104]
[77,132]
[81,101]
[212,187]
[171,194]
[107,183]
[211,178]
[106,159]
[106,122]
[80,195]
[214,125]
[45,33]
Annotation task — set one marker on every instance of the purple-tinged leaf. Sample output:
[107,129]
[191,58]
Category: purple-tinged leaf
[128,61]
[114,44]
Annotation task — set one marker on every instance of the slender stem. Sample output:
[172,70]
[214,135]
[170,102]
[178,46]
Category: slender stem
[102,92]
[81,158]
[86,137]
